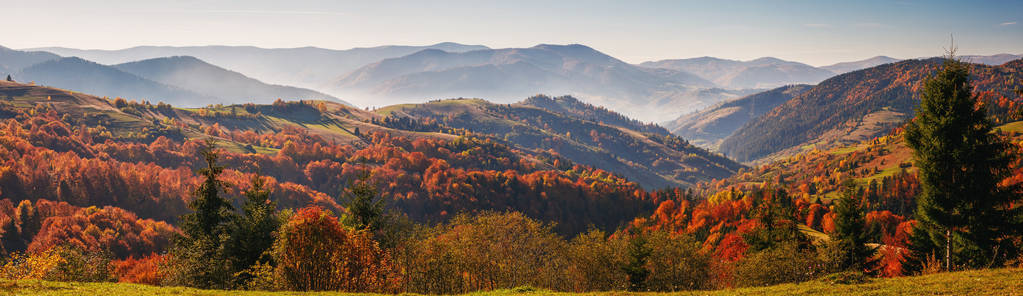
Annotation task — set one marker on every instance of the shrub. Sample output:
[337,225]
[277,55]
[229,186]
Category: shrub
[77,265]
[486,252]
[593,258]
[676,263]
[29,266]
[786,263]
[146,270]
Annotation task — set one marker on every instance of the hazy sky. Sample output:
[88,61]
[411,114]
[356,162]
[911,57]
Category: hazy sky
[814,32]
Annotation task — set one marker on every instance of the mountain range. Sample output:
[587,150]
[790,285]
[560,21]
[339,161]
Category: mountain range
[759,73]
[309,67]
[708,127]
[182,81]
[503,75]
[13,60]
[225,85]
[86,76]
[858,106]
[657,91]
[846,67]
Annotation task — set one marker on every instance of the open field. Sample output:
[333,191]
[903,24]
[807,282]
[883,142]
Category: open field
[1006,281]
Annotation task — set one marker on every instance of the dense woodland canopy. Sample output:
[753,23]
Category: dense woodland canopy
[408,200]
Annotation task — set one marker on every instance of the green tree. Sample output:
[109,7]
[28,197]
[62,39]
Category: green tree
[963,214]
[199,253]
[365,207]
[774,211]
[850,235]
[252,233]
[211,210]
[635,269]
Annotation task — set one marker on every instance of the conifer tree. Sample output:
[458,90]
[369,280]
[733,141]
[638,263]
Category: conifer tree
[850,234]
[211,210]
[199,254]
[365,208]
[252,233]
[963,214]
[635,270]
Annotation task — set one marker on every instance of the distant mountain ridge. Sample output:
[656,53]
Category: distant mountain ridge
[13,60]
[224,85]
[308,67]
[504,75]
[708,127]
[764,72]
[378,76]
[992,60]
[846,67]
[181,81]
[86,76]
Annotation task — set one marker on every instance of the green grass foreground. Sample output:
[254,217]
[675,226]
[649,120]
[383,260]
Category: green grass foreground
[1006,281]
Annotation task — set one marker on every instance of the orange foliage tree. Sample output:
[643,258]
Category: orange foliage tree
[316,253]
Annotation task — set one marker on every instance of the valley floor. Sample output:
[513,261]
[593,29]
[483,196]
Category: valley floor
[1007,281]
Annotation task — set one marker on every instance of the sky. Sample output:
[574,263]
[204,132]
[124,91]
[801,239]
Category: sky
[814,32]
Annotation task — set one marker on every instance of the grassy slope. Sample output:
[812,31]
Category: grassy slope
[1008,281]
[334,124]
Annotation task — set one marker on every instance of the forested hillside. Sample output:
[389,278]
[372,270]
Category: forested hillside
[710,126]
[86,151]
[858,106]
[805,189]
[580,133]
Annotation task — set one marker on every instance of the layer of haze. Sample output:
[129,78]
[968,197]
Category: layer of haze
[813,32]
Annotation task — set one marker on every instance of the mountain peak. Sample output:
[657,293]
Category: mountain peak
[769,60]
[572,47]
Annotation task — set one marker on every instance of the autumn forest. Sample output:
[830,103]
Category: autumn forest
[618,148]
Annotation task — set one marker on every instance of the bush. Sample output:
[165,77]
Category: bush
[593,260]
[676,263]
[76,265]
[30,266]
[146,270]
[786,263]
[486,252]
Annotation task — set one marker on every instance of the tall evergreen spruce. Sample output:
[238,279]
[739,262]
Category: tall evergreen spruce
[963,214]
[635,270]
[199,253]
[365,207]
[850,235]
[252,233]
[211,210]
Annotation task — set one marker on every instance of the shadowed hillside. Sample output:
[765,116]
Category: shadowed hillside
[709,126]
[642,153]
[857,106]
[224,85]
